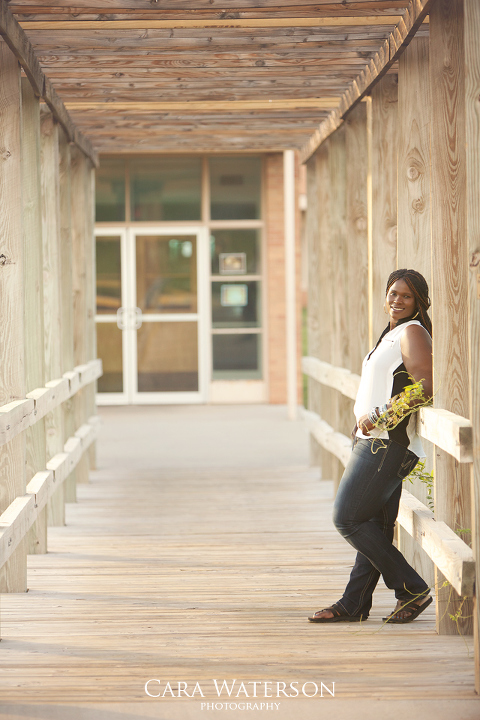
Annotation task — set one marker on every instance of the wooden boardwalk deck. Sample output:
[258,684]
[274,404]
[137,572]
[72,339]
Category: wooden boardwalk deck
[177,566]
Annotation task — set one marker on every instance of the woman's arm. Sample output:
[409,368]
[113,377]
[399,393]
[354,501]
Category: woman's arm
[416,347]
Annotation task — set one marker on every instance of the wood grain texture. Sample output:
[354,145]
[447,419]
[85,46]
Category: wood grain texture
[326,396]
[19,44]
[338,287]
[12,299]
[220,581]
[450,263]
[35,438]
[204,11]
[377,67]
[414,249]
[79,209]
[472,130]
[52,273]
[357,236]
[383,252]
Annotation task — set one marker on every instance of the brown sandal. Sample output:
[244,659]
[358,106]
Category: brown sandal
[339,615]
[414,610]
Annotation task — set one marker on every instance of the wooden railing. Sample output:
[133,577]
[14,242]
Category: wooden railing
[448,431]
[20,515]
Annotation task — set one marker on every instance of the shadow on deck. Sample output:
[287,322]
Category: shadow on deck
[196,552]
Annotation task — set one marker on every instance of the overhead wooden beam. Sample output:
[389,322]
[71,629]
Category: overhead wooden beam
[21,47]
[211,24]
[378,66]
[201,106]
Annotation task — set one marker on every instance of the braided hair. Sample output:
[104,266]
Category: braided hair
[419,287]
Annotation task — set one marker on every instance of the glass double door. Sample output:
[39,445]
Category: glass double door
[150,315]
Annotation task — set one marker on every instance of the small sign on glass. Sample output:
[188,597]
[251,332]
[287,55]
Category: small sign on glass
[234,295]
[233,263]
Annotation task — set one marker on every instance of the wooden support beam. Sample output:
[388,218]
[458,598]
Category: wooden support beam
[18,42]
[79,209]
[34,326]
[375,70]
[218,24]
[383,209]
[51,291]
[472,144]
[449,271]
[13,577]
[228,106]
[356,150]
[413,216]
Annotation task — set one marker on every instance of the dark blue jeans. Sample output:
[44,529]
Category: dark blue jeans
[365,510]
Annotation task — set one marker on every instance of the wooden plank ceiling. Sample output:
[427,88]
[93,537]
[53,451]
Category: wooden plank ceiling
[203,75]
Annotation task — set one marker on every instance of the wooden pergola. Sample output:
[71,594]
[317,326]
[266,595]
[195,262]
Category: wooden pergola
[203,76]
[380,98]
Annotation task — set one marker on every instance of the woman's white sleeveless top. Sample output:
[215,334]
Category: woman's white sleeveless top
[376,384]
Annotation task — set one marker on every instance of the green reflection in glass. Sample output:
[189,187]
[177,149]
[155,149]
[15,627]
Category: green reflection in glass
[235,188]
[109,274]
[110,190]
[237,357]
[166,188]
[167,273]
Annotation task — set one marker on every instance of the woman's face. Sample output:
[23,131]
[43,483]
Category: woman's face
[400,301]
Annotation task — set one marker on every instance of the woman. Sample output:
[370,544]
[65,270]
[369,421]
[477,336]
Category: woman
[385,451]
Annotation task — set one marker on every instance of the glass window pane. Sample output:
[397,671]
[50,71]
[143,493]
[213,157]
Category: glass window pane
[236,305]
[110,190]
[229,247]
[237,357]
[109,274]
[167,273]
[109,349]
[167,357]
[235,185]
[166,188]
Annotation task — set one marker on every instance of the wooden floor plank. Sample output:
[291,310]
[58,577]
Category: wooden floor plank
[188,572]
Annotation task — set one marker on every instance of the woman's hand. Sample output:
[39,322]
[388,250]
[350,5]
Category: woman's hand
[365,425]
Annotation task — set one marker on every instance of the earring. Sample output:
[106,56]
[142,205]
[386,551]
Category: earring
[414,316]
[384,309]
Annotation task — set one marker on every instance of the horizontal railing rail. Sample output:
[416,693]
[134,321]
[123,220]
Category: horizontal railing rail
[448,431]
[17,416]
[451,432]
[20,515]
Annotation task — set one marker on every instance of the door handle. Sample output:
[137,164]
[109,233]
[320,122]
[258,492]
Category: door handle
[120,318]
[138,318]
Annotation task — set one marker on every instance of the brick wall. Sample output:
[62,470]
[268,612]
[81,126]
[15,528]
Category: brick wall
[275,258]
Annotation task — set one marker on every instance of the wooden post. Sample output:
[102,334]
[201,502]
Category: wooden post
[34,326]
[313,306]
[325,396]
[91,300]
[357,236]
[337,286]
[13,575]
[414,226]
[79,281]
[472,129]
[449,275]
[383,177]
[52,298]
[66,292]
[290,281]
